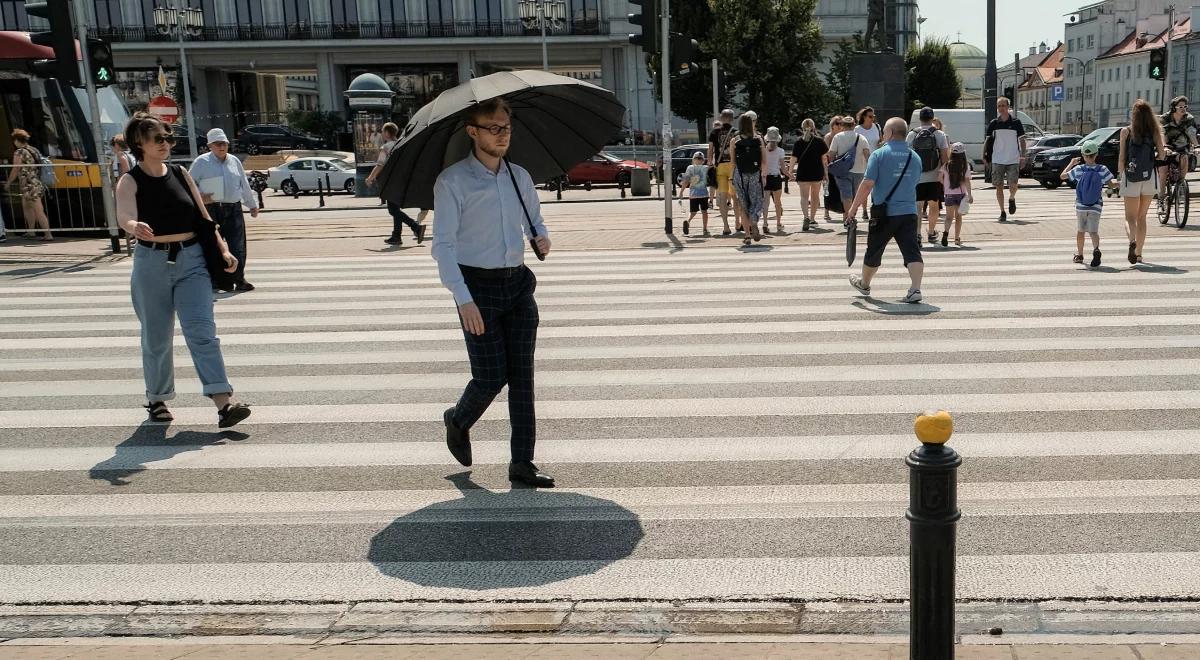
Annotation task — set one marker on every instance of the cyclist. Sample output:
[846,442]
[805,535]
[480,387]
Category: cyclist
[1179,129]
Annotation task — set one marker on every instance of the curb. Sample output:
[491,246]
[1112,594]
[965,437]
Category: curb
[977,622]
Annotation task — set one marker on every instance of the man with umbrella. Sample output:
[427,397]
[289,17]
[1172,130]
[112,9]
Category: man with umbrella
[485,207]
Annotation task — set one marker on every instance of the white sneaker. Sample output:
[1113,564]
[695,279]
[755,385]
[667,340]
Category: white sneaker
[856,281]
[914,296]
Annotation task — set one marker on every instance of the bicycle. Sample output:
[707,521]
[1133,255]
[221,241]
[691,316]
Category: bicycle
[1175,194]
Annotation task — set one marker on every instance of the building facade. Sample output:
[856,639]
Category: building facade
[1183,77]
[1123,75]
[1037,96]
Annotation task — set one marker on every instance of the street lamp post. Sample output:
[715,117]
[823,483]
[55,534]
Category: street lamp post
[541,12]
[182,22]
[1081,91]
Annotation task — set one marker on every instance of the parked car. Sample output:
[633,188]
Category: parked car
[264,138]
[182,134]
[1036,146]
[1049,164]
[302,174]
[604,168]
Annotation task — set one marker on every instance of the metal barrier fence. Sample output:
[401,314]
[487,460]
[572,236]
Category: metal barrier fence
[63,197]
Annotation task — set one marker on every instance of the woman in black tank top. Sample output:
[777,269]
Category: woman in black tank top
[159,205]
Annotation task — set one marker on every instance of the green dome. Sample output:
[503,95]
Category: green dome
[967,56]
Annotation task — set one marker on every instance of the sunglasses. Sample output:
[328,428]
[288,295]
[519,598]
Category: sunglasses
[164,138]
[495,129]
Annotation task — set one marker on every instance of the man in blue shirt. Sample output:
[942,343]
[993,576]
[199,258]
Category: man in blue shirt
[223,185]
[895,168]
[479,233]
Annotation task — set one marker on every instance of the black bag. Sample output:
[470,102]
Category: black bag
[879,211]
[833,197]
[747,155]
[1139,159]
[206,235]
[926,146]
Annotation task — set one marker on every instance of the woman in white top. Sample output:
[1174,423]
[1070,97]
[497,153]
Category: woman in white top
[777,169]
[844,142]
[867,127]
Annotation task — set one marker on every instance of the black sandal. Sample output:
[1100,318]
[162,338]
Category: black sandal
[158,412]
[231,414]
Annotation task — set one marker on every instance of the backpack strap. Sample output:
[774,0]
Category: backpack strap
[900,178]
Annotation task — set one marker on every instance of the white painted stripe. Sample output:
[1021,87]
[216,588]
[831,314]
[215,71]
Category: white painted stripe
[1097,575]
[944,348]
[1100,370]
[893,327]
[638,408]
[600,450]
[710,502]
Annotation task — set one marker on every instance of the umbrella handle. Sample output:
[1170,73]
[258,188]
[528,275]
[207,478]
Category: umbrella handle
[532,243]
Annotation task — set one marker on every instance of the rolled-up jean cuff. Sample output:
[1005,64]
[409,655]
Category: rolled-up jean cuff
[159,397]
[217,388]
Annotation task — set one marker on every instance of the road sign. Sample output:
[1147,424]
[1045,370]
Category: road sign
[1057,93]
[164,108]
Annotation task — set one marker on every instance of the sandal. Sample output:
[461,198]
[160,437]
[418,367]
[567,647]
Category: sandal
[158,411]
[231,414]
[1139,258]
[746,241]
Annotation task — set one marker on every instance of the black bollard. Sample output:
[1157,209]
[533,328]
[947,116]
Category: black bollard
[321,193]
[621,185]
[558,186]
[328,185]
[260,200]
[932,518]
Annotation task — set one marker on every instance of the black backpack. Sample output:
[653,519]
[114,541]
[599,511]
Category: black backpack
[747,155]
[1139,159]
[925,144]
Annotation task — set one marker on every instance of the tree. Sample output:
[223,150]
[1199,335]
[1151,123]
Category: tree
[691,96]
[768,49]
[837,78]
[931,78]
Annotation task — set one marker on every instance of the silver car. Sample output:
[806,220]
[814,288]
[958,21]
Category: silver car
[303,174]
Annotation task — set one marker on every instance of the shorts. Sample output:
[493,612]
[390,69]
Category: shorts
[955,200]
[1002,172]
[904,229]
[1087,221]
[774,182]
[725,178]
[1147,188]
[698,204]
[930,191]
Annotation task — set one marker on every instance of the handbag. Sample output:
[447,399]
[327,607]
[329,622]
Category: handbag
[964,206]
[879,211]
[206,235]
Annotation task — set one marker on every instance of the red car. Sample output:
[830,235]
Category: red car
[604,168]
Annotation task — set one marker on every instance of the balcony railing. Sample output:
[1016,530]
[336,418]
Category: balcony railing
[395,30]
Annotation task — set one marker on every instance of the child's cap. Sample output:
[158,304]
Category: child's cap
[699,155]
[1089,148]
[958,148]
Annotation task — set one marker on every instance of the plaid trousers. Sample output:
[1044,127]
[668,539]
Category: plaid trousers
[503,355]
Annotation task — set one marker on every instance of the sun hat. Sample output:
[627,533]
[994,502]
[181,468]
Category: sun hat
[1089,148]
[958,148]
[773,135]
[217,135]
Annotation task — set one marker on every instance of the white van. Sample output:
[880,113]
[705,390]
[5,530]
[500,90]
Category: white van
[967,126]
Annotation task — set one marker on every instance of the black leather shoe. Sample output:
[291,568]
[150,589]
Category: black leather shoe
[458,440]
[528,473]
[245,286]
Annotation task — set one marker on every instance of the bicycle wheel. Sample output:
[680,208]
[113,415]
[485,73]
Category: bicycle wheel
[1163,204]
[1182,202]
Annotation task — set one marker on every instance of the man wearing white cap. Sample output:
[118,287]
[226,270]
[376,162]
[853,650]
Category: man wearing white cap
[225,188]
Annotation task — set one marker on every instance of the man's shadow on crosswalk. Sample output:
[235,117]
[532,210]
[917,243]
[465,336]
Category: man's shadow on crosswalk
[503,540]
[149,444]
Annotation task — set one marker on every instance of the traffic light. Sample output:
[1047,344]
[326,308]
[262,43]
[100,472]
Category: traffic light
[60,37]
[1158,63]
[683,49]
[101,59]
[648,20]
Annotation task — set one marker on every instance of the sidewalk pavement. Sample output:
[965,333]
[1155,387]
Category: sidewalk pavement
[591,649]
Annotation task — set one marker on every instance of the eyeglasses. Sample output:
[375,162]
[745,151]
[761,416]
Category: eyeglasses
[495,129]
[164,138]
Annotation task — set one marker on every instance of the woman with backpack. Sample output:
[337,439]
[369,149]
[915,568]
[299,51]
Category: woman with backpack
[749,156]
[26,170]
[808,162]
[1141,144]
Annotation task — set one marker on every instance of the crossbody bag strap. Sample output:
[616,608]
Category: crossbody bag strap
[897,184]
[521,199]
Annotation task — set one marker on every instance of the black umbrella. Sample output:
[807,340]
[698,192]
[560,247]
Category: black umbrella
[851,242]
[557,123]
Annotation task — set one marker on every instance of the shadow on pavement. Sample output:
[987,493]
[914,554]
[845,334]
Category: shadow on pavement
[886,308]
[1160,269]
[502,540]
[149,444]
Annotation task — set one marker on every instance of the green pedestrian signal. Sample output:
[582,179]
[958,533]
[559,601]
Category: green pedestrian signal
[101,60]
[1158,63]
[103,75]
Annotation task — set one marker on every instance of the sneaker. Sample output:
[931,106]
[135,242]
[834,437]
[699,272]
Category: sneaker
[914,296]
[1095,258]
[945,238]
[933,238]
[1133,253]
[726,232]
[394,240]
[1012,205]
[1003,217]
[856,281]
[1077,259]
[3,238]
[245,286]
[807,225]
[686,227]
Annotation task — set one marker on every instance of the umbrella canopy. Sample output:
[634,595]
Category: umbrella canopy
[557,122]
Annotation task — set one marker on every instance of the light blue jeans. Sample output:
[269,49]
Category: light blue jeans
[160,291]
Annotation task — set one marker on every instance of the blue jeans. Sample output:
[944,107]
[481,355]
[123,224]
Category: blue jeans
[160,291]
[230,219]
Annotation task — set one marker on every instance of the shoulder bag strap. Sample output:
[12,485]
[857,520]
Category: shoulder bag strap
[521,199]
[901,178]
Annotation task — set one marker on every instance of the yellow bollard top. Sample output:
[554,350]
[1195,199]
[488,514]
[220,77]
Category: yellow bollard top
[934,427]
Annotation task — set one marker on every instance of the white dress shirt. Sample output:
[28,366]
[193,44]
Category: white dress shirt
[236,186]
